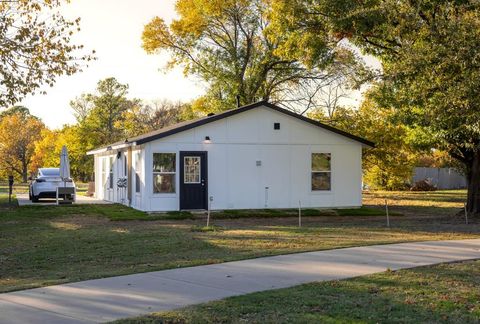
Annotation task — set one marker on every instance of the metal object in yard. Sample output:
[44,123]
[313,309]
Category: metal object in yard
[386,211]
[210,199]
[121,184]
[266,197]
[299,213]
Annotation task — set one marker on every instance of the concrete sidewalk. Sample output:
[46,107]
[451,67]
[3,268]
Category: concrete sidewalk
[118,297]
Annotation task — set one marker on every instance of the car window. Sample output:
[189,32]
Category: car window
[51,172]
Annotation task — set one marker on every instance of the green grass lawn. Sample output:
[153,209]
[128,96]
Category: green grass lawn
[45,245]
[275,213]
[445,293]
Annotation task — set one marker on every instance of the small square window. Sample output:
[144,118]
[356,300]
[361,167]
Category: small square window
[276,125]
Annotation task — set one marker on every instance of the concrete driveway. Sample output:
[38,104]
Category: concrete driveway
[113,298]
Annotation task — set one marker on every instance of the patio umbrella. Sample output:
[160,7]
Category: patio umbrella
[64,166]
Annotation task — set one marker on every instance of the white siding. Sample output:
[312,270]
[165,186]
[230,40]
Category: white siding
[102,190]
[234,179]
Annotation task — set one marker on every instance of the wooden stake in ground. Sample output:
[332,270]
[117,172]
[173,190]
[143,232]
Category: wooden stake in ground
[299,213]
[466,213]
[386,212]
[210,199]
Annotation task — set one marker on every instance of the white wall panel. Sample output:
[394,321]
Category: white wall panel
[236,181]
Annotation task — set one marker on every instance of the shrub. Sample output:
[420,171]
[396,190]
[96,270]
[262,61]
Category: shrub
[423,185]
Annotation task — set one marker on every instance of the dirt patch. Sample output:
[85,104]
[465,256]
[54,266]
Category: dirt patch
[77,221]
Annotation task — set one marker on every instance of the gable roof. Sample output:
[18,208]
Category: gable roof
[186,125]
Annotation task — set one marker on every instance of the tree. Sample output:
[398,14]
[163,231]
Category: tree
[49,146]
[389,165]
[230,45]
[15,110]
[82,106]
[35,47]
[109,115]
[429,52]
[100,112]
[141,118]
[318,98]
[17,147]
[44,154]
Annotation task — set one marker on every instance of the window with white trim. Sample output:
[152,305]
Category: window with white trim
[321,172]
[103,161]
[110,172]
[125,164]
[138,170]
[164,169]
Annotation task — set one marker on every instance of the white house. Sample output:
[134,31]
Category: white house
[252,157]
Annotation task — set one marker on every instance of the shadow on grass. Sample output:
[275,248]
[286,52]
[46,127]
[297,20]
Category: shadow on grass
[37,251]
[435,196]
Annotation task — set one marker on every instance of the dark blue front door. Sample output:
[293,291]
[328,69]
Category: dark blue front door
[193,180]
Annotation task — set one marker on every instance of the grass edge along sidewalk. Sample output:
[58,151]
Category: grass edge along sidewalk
[444,293]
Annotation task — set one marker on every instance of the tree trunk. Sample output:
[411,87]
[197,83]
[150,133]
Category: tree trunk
[24,172]
[473,180]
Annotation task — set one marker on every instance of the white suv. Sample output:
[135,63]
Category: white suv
[46,182]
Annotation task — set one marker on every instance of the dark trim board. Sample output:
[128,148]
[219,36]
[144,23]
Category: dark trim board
[160,134]
[180,127]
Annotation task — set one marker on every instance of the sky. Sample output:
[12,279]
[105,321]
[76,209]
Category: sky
[113,29]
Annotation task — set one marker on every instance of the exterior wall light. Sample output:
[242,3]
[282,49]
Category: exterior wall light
[207,140]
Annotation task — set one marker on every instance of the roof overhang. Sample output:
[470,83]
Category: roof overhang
[109,148]
[139,140]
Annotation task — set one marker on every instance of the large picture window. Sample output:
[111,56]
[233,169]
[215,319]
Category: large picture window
[321,171]
[164,166]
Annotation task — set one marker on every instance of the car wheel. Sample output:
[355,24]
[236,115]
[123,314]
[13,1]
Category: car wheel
[34,198]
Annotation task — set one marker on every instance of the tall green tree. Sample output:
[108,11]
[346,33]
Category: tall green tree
[230,46]
[99,113]
[389,165]
[430,57]
[36,47]
[100,116]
